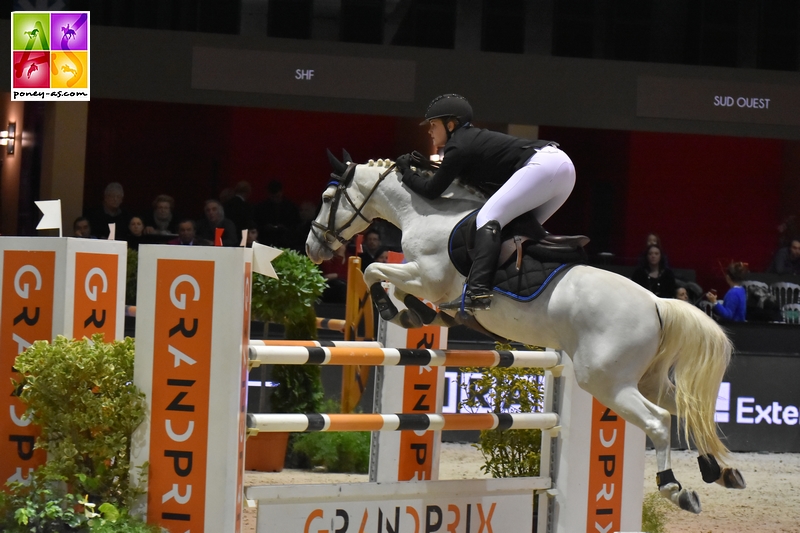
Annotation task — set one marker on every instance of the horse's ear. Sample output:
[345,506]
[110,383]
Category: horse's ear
[338,166]
[346,157]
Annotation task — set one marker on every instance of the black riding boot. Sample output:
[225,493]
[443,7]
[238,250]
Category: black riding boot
[484,265]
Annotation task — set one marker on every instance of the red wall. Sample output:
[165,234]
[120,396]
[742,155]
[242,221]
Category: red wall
[711,199]
[192,152]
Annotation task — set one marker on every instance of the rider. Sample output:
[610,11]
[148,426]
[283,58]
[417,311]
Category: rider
[519,175]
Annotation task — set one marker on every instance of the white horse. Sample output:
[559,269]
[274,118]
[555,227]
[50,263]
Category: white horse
[642,356]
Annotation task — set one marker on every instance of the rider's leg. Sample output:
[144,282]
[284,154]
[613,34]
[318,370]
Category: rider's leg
[484,264]
[542,185]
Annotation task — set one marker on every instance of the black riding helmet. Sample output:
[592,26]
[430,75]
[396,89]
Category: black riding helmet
[449,105]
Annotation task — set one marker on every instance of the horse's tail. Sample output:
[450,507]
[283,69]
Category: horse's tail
[696,351]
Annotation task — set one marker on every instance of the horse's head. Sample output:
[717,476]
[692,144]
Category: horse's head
[342,214]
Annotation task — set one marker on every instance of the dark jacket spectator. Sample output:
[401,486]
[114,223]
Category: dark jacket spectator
[787,260]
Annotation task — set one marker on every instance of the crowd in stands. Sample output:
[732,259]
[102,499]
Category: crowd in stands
[279,222]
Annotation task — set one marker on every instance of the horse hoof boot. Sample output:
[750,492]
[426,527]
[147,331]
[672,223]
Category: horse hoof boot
[731,478]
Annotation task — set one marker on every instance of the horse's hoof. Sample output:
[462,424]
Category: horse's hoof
[409,319]
[689,501]
[731,478]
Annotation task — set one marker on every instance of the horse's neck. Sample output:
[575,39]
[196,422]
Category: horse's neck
[403,208]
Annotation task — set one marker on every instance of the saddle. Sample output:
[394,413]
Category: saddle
[529,257]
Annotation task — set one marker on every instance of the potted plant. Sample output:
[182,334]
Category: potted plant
[288,301]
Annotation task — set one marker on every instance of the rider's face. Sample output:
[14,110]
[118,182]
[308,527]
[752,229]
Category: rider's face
[437,131]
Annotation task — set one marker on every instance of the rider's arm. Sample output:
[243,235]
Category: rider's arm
[431,185]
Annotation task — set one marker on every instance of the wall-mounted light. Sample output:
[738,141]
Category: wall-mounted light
[7,138]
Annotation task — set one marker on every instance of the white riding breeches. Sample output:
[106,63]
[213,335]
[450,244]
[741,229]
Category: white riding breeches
[542,185]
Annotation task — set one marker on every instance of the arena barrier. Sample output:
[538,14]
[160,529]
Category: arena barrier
[192,359]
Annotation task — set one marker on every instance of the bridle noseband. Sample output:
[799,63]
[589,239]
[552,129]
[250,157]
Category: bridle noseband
[328,234]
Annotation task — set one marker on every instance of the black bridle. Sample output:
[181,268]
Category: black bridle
[330,233]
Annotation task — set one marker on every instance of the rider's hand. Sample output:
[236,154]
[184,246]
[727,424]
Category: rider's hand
[403,162]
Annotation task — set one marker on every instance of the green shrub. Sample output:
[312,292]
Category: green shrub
[654,513]
[82,395]
[345,451]
[515,452]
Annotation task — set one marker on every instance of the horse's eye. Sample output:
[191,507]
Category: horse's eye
[326,199]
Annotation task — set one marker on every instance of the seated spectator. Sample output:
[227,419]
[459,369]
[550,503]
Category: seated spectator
[135,233]
[307,214]
[237,209]
[787,260]
[334,270]
[370,247]
[682,294]
[650,240]
[252,236]
[82,229]
[733,307]
[187,234]
[215,218]
[276,217]
[381,255]
[162,220]
[654,275]
[110,212]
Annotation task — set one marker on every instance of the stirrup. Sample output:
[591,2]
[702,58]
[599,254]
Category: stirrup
[475,302]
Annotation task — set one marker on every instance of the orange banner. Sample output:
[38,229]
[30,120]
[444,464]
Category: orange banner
[605,470]
[180,398]
[95,309]
[26,316]
[419,396]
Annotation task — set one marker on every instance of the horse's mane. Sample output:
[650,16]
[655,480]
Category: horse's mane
[456,190]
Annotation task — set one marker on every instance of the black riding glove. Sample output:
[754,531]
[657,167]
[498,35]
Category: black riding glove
[403,162]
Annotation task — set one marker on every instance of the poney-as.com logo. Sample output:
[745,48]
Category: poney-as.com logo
[49,56]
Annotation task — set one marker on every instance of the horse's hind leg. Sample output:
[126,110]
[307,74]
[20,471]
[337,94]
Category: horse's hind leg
[712,472]
[632,406]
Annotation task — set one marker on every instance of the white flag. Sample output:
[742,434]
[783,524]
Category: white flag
[51,211]
[262,259]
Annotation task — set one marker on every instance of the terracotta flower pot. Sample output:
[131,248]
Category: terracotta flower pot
[266,452]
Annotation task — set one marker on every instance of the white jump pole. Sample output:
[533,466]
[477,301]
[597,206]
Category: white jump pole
[50,286]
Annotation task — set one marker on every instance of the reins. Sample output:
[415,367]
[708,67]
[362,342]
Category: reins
[330,233]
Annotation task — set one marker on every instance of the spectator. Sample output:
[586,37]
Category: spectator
[252,236]
[681,294]
[307,214]
[334,270]
[734,305]
[787,260]
[215,218]
[110,212]
[382,255]
[135,232]
[237,209]
[187,234]
[370,247]
[650,240]
[653,273]
[82,229]
[162,220]
[276,217]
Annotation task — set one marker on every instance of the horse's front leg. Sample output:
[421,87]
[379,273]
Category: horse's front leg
[408,281]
